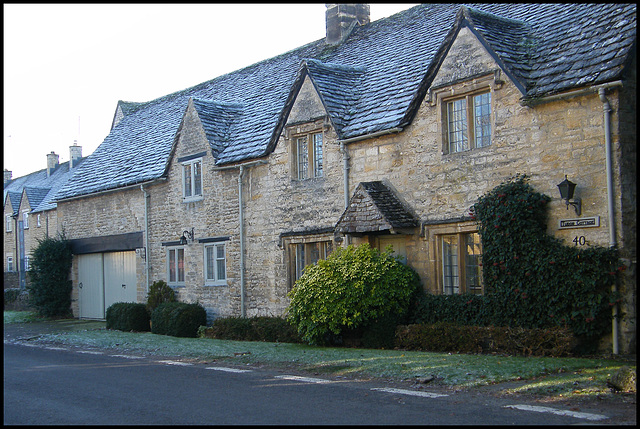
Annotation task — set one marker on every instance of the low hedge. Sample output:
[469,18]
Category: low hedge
[128,316]
[449,337]
[258,328]
[178,319]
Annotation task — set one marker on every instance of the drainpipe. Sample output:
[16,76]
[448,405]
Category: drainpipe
[241,223]
[241,227]
[146,235]
[610,203]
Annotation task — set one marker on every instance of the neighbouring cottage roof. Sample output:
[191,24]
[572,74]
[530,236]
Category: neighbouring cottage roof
[39,188]
[374,207]
[375,80]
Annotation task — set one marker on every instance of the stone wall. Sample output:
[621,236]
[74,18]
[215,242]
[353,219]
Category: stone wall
[546,142]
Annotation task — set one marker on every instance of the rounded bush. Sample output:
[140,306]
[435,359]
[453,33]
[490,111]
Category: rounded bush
[128,316]
[353,288]
[178,319]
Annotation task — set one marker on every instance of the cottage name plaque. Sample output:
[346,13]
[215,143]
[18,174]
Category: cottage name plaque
[583,222]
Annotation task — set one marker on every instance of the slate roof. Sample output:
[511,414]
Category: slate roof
[373,81]
[39,189]
[374,207]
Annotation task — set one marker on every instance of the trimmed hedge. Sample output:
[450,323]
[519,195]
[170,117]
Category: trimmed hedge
[128,316]
[258,328]
[178,319]
[449,337]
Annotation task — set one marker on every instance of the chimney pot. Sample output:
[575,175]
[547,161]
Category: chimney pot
[52,162]
[342,17]
[7,176]
[75,152]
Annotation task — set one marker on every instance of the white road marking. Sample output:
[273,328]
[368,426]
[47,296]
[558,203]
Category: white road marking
[55,348]
[409,392]
[87,352]
[127,356]
[304,379]
[173,362]
[575,414]
[220,368]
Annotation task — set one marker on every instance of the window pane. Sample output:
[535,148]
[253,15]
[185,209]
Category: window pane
[210,266]
[482,119]
[180,265]
[172,265]
[220,260]
[299,260]
[197,178]
[450,264]
[473,254]
[314,253]
[457,122]
[186,170]
[317,151]
[303,158]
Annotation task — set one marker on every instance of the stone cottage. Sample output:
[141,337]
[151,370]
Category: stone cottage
[30,212]
[384,132]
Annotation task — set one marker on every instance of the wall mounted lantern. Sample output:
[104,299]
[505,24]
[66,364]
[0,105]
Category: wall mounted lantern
[566,193]
[185,234]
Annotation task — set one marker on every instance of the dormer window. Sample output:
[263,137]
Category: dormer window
[192,180]
[469,122]
[308,152]
[465,112]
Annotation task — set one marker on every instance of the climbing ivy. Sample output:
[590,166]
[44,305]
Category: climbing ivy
[532,279]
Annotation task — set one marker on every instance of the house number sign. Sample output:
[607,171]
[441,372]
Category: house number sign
[583,222]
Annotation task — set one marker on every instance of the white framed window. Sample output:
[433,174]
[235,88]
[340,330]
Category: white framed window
[27,265]
[25,219]
[175,266]
[10,264]
[468,122]
[308,153]
[8,223]
[460,260]
[38,220]
[192,180]
[215,264]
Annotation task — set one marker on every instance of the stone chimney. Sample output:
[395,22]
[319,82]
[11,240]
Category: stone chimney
[341,18]
[75,152]
[52,162]
[7,176]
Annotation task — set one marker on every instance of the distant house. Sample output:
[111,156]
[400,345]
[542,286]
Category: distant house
[384,132]
[30,212]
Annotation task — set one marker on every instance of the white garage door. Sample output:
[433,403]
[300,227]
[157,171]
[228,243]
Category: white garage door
[104,279]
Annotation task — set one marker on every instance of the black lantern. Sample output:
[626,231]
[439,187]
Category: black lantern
[185,234]
[566,193]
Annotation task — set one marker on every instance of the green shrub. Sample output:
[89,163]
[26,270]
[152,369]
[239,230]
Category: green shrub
[258,328]
[50,288]
[159,292]
[351,289]
[178,319]
[449,337]
[11,295]
[128,316]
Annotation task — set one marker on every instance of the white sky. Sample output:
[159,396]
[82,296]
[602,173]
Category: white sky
[67,65]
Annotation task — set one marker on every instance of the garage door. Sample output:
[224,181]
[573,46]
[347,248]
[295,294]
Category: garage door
[104,279]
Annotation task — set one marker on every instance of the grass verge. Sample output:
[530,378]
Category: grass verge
[564,377]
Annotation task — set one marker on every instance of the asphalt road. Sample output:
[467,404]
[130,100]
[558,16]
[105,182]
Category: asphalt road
[54,385]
